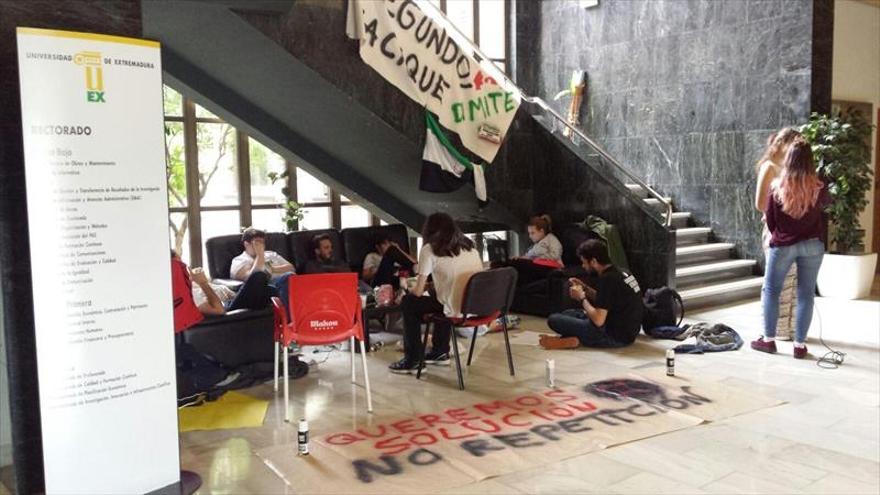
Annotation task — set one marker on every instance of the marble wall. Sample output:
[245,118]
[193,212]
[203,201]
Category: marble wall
[684,92]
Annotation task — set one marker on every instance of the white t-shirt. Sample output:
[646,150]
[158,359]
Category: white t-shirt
[245,260]
[547,248]
[372,261]
[224,293]
[451,275]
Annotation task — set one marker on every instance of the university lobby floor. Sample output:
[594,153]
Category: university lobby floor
[774,424]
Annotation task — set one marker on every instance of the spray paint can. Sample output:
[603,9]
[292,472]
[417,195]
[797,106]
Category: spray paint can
[550,369]
[302,437]
[670,362]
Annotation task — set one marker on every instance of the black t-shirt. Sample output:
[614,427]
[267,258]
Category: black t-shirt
[618,293]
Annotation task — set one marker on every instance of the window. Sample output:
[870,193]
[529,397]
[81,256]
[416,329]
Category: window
[221,180]
[484,22]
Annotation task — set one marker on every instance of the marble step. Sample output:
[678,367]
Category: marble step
[713,272]
[692,235]
[679,218]
[700,252]
[722,293]
[637,190]
[657,204]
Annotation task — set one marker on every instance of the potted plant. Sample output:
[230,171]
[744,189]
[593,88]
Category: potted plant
[842,152]
[293,211]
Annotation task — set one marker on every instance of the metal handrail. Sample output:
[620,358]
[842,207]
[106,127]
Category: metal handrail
[544,106]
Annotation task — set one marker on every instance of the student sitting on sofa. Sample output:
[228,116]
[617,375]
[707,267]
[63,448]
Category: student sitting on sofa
[380,267]
[322,261]
[543,257]
[610,314]
[255,258]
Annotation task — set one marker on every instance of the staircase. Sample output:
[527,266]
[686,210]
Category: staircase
[706,274]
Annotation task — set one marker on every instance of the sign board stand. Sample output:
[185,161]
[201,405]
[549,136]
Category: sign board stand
[94,150]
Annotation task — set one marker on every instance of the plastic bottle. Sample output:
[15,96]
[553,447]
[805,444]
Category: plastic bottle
[302,437]
[670,362]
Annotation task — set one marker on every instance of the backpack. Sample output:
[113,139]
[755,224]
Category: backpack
[659,308]
[196,373]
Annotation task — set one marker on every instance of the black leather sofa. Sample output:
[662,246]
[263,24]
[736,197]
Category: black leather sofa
[246,336]
[543,297]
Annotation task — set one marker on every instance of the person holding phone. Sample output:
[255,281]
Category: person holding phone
[610,314]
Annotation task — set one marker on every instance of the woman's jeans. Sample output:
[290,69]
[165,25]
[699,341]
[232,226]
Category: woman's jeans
[808,257]
[575,323]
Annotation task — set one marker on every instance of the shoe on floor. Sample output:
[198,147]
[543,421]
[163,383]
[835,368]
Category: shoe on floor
[438,358]
[404,366]
[800,352]
[764,346]
[550,342]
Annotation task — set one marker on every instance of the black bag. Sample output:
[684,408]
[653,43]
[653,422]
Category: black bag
[660,308]
[196,373]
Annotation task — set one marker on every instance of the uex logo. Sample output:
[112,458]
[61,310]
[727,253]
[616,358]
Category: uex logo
[94,75]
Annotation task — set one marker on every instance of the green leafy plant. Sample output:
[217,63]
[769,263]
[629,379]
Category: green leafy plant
[293,211]
[842,152]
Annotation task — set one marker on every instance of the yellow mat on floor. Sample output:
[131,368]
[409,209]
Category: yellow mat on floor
[232,410]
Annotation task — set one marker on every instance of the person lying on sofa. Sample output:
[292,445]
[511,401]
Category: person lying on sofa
[610,314]
[255,259]
[380,267]
[216,299]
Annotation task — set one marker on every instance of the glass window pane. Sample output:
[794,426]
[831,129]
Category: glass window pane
[217,223]
[204,113]
[315,218]
[309,189]
[174,163]
[265,164]
[178,229]
[502,66]
[217,173]
[270,220]
[173,102]
[355,216]
[461,14]
[492,24]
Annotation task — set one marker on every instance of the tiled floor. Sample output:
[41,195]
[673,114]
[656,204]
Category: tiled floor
[824,439]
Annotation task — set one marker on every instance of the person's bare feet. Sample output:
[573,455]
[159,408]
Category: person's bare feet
[550,342]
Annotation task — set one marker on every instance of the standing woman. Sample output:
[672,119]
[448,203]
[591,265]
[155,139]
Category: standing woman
[450,259]
[796,223]
[769,168]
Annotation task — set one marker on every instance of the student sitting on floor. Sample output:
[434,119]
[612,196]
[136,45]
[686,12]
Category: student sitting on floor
[610,314]
[380,266]
[450,259]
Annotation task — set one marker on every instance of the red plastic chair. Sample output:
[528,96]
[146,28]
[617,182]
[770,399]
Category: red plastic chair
[325,309]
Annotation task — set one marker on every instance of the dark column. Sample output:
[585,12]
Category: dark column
[823,54]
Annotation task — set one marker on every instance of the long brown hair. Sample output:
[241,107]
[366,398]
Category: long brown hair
[444,236]
[542,223]
[777,142]
[798,187]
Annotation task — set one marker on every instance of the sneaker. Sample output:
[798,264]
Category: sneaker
[438,358]
[404,366]
[550,342]
[800,352]
[764,346]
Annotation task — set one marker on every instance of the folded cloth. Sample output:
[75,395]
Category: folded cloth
[703,337]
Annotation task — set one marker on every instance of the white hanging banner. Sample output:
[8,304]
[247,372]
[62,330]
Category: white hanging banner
[97,206]
[435,66]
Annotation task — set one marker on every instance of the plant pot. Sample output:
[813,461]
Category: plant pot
[847,276]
